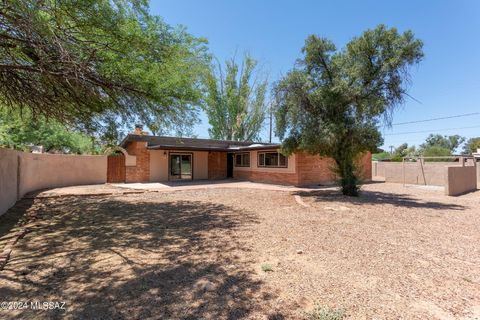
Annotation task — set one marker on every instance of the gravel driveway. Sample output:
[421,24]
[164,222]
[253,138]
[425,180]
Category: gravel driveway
[393,253]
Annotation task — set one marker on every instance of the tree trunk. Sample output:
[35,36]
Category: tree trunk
[346,170]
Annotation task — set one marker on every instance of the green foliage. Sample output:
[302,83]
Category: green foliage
[403,151]
[450,143]
[98,61]
[235,101]
[471,146]
[381,156]
[333,102]
[325,313]
[435,151]
[267,267]
[23,131]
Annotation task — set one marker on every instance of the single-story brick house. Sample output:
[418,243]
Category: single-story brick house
[149,158]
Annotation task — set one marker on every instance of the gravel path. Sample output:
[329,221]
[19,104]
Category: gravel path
[393,253]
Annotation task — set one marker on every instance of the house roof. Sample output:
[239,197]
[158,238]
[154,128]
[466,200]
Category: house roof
[178,143]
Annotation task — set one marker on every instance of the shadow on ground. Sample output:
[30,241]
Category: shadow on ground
[113,258]
[16,217]
[377,197]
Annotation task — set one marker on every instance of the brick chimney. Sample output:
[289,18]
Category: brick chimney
[138,129]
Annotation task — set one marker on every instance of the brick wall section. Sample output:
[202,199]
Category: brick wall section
[141,172]
[366,167]
[309,170]
[313,169]
[267,177]
[217,165]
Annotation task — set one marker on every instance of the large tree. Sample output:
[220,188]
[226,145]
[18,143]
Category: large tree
[235,100]
[22,131]
[450,143]
[471,146]
[436,151]
[332,102]
[89,62]
[402,151]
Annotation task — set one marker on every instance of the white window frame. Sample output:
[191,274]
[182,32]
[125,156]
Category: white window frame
[243,164]
[278,165]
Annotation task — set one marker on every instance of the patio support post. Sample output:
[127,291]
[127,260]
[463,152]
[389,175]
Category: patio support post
[423,171]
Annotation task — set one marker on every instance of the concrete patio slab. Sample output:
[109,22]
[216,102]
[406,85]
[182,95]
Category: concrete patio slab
[215,184]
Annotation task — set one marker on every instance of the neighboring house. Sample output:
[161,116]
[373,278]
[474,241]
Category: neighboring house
[157,158]
[476,155]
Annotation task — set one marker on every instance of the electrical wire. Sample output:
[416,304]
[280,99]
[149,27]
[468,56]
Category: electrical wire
[435,119]
[429,131]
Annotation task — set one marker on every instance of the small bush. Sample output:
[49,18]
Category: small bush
[325,313]
[267,268]
[381,156]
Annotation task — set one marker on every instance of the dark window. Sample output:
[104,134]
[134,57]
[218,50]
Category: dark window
[282,160]
[272,159]
[242,159]
[261,159]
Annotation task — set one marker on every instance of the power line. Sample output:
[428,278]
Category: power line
[435,119]
[430,131]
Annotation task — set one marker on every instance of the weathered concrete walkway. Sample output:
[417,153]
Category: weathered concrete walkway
[214,184]
[127,188]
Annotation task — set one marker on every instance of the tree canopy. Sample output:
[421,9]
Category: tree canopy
[235,100]
[435,151]
[21,132]
[471,146]
[402,151]
[449,143]
[333,100]
[98,61]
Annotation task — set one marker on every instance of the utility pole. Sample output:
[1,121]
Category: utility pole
[270,129]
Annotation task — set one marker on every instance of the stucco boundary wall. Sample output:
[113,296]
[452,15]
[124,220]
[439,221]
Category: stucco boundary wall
[21,173]
[456,179]
[8,178]
[433,172]
[478,174]
[460,180]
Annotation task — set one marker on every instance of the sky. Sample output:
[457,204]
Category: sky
[446,83]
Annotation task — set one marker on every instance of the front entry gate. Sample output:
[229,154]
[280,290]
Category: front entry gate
[116,168]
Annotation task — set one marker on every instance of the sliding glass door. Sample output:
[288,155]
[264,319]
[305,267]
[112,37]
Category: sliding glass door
[181,166]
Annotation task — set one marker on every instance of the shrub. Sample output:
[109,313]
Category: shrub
[325,313]
[267,268]
[381,156]
[437,151]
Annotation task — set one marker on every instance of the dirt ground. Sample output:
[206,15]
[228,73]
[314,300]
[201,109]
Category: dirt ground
[393,253]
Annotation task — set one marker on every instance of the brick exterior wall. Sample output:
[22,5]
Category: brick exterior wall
[366,167]
[309,170]
[217,165]
[267,177]
[313,169]
[140,172]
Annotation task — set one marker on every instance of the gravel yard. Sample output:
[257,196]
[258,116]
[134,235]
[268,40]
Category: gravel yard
[393,253]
